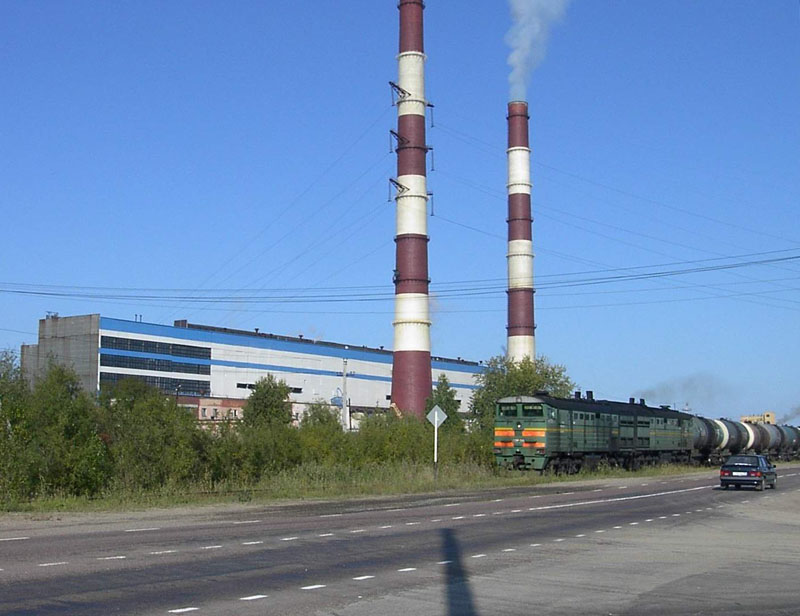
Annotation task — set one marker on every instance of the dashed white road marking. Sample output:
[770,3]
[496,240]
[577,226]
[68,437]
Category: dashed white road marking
[406,569]
[579,536]
[558,540]
[183,610]
[111,557]
[253,597]
[458,517]
[331,515]
[325,535]
[55,564]
[14,538]
[479,515]
[600,531]
[498,512]
[644,484]
[662,517]
[361,578]
[598,490]
[478,555]
[312,587]
[676,515]
[412,523]
[535,545]
[498,500]
[617,527]
[245,522]
[444,562]
[211,547]
[252,542]
[634,524]
[623,488]
[437,520]
[354,531]
[141,530]
[293,538]
[452,504]
[649,520]
[398,509]
[516,511]
[386,526]
[163,552]
[567,493]
[510,550]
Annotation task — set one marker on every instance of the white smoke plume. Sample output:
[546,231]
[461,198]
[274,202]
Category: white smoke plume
[528,39]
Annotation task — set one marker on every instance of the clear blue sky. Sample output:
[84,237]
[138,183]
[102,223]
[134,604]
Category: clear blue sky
[244,146]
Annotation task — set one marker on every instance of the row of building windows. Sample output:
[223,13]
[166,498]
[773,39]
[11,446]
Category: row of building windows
[183,387]
[151,346]
[294,390]
[147,363]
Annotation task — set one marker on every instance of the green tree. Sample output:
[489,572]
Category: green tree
[445,397]
[152,440]
[63,424]
[268,403]
[503,377]
[321,435]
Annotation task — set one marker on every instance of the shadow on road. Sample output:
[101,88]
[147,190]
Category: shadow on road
[459,595]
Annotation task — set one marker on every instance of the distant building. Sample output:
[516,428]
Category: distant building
[205,362]
[767,417]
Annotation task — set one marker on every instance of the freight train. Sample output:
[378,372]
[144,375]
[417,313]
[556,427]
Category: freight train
[564,435]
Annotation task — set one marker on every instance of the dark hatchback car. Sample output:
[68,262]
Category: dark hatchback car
[748,470]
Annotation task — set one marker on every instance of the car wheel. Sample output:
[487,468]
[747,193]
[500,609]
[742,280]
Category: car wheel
[724,486]
[760,486]
[774,483]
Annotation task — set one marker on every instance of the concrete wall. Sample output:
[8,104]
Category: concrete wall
[68,341]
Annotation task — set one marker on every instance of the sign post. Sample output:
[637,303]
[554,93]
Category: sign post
[436,417]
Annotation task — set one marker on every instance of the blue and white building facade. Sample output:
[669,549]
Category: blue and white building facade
[197,360]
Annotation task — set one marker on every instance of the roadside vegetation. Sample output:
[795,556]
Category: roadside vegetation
[61,449]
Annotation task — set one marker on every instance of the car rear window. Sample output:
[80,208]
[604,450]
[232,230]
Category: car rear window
[748,460]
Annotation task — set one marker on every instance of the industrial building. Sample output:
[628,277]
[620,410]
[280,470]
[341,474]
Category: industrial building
[201,361]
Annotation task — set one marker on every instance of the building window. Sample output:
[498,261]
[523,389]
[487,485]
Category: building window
[151,346]
[147,363]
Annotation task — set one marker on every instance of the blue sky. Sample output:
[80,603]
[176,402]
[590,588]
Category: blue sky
[241,150]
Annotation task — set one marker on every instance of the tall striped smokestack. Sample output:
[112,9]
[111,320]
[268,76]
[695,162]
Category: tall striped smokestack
[520,239]
[411,371]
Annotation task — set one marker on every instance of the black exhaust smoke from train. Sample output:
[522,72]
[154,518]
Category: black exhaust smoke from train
[699,391]
[785,419]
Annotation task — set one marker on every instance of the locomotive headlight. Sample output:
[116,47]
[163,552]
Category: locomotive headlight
[519,425]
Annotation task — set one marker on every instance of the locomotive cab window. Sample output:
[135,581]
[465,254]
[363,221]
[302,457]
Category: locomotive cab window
[532,410]
[507,410]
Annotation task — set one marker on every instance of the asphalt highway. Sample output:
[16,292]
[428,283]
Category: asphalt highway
[659,546]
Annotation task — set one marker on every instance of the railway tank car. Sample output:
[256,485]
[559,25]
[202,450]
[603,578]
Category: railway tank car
[564,435]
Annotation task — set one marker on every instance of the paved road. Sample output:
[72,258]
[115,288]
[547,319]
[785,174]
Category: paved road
[643,546]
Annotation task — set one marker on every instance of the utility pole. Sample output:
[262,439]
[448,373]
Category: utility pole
[345,401]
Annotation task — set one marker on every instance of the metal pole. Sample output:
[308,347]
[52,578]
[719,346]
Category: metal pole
[345,405]
[436,451]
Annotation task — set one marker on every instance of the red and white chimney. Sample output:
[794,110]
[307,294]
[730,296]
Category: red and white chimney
[411,370]
[521,342]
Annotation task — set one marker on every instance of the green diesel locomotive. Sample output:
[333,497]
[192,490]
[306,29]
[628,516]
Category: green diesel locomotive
[563,435]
